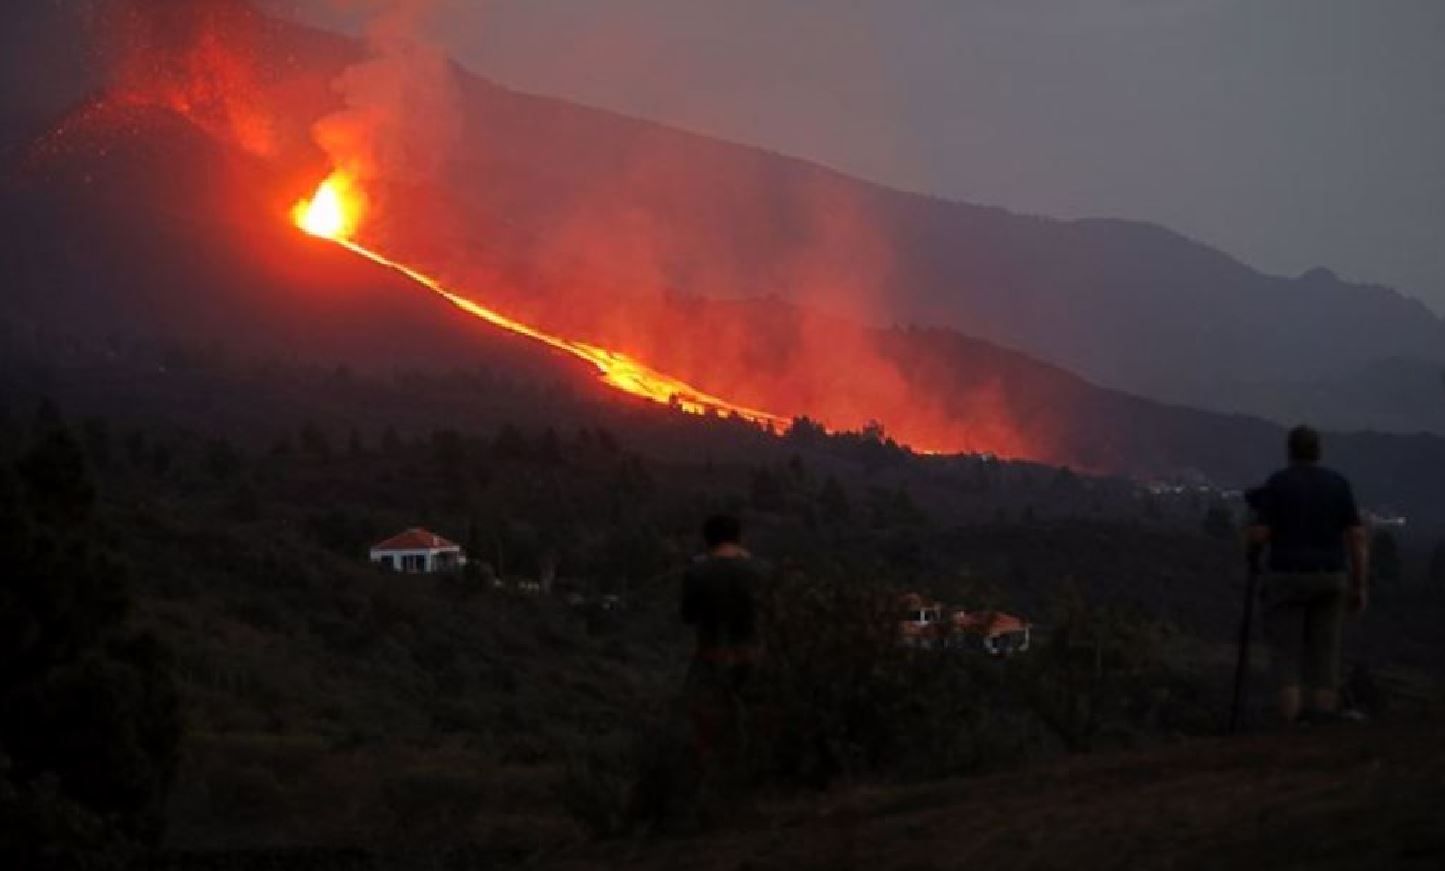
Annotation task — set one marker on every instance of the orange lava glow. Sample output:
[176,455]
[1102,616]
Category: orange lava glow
[334,211]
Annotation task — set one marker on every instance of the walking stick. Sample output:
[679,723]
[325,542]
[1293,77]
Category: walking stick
[1246,626]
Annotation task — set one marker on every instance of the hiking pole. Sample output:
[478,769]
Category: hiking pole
[1246,626]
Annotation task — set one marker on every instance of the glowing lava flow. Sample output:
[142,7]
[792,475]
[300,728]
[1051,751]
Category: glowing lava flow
[333,213]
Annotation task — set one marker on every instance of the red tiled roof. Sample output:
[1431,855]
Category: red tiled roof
[988,623]
[415,538]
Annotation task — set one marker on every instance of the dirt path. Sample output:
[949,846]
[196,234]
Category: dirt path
[1345,797]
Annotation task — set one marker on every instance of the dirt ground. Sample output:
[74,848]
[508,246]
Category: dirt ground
[1348,796]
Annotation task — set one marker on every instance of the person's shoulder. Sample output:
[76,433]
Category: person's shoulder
[699,567]
[1335,477]
[757,566]
[1277,480]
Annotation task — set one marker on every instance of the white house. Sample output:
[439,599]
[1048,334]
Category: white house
[418,551]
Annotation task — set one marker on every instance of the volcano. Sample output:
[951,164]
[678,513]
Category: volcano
[137,217]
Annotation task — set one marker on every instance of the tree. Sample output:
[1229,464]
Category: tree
[448,450]
[314,442]
[1065,481]
[56,483]
[549,446]
[510,444]
[798,470]
[833,500]
[805,431]
[89,722]
[766,490]
[223,461]
[137,452]
[390,442]
[281,448]
[606,442]
[98,442]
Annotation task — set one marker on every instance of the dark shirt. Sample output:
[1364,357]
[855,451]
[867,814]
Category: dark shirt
[718,598]
[1307,508]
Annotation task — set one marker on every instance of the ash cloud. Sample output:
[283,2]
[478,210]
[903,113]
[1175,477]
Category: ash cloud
[399,121]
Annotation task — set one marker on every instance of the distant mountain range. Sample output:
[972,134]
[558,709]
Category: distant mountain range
[137,221]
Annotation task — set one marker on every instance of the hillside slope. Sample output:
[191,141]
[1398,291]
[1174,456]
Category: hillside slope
[145,229]
[568,205]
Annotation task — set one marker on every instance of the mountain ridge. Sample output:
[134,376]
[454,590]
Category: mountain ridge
[552,196]
[271,290]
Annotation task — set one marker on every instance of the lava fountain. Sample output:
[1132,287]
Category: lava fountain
[334,212]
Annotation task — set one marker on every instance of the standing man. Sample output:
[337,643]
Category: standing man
[719,599]
[719,595]
[1316,569]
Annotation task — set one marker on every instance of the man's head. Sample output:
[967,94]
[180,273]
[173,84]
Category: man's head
[722,529]
[1304,445]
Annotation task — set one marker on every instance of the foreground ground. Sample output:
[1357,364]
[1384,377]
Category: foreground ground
[1345,797]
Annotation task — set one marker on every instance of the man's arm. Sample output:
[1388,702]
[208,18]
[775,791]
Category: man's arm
[1256,534]
[1358,545]
[1256,539]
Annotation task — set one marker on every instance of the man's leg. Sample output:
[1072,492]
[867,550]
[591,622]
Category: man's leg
[1323,699]
[1289,702]
[1284,628]
[1324,637]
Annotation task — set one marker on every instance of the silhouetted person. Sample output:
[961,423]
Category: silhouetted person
[1316,567]
[719,599]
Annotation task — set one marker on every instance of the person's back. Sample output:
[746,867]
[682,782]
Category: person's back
[719,593]
[1307,508]
[718,599]
[1307,516]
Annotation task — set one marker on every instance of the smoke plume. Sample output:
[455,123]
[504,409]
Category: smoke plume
[399,121]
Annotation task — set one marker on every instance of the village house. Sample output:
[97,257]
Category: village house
[418,551]
[932,625]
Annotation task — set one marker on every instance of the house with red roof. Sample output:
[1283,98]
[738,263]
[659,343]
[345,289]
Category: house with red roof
[418,551]
[933,625]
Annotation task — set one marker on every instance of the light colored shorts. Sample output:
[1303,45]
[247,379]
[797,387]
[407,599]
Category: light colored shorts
[1304,616]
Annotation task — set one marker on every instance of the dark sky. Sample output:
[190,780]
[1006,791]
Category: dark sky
[1290,133]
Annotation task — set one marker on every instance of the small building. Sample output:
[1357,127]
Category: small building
[932,625]
[922,623]
[418,551]
[997,633]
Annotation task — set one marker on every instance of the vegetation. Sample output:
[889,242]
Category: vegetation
[328,703]
[89,726]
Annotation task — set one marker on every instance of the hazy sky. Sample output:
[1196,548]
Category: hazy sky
[1290,133]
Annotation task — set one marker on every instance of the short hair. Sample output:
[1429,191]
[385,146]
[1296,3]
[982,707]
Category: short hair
[721,529]
[1304,445]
